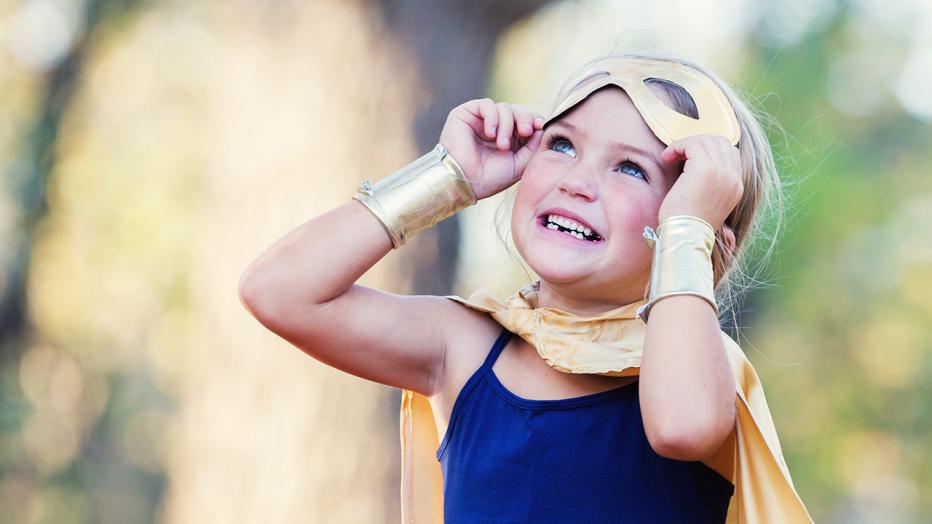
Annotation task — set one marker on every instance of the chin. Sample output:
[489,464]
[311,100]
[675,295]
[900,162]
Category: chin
[561,268]
[585,272]
[566,270]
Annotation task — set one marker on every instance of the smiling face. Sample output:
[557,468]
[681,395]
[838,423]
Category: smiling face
[584,199]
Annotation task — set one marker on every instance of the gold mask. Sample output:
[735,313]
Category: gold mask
[716,116]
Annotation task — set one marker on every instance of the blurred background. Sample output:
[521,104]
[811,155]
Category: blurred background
[150,150]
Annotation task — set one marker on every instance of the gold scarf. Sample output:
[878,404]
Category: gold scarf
[610,343]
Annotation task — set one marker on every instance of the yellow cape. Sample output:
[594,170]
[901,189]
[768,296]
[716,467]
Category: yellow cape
[610,344]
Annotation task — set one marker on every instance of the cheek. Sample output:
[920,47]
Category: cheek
[522,213]
[631,219]
[534,184]
[538,176]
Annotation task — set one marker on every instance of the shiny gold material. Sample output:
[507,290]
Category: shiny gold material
[418,196]
[716,116]
[682,263]
[610,343]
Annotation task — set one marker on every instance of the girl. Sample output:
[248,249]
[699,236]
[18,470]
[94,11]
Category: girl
[620,400]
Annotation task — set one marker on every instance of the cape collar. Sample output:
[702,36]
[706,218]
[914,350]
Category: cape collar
[609,343]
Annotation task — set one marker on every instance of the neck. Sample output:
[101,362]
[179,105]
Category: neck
[581,302]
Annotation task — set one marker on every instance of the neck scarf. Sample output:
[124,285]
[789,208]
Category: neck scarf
[610,343]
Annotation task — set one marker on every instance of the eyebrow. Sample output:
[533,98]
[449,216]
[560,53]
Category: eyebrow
[625,147]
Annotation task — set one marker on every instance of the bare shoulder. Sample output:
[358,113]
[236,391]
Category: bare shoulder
[470,336]
[471,333]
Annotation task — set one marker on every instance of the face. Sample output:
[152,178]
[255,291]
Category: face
[597,170]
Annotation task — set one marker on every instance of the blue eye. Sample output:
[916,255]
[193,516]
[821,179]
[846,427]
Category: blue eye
[561,144]
[632,168]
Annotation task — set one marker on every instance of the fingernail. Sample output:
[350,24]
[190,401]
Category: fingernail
[494,129]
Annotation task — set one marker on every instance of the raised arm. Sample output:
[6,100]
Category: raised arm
[303,287]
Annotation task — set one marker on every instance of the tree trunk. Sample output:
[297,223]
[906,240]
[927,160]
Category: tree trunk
[307,104]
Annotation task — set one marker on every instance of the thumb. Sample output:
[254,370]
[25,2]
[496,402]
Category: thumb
[523,155]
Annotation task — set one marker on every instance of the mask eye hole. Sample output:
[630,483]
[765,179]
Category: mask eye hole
[677,97]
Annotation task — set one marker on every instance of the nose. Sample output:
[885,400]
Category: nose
[579,182]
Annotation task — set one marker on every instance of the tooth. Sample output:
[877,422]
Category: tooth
[587,231]
[552,226]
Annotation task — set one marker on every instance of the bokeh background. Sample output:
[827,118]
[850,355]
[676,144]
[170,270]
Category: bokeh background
[149,150]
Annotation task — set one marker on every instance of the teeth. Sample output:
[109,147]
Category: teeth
[566,223]
[574,228]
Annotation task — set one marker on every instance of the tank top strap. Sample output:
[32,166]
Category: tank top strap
[496,350]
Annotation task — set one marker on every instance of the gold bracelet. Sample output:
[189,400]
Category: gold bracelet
[418,196]
[682,261]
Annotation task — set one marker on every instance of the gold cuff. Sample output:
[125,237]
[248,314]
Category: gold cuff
[682,263]
[418,196]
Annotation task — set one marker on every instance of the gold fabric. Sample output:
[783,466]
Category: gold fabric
[610,344]
[417,196]
[716,116]
[682,261]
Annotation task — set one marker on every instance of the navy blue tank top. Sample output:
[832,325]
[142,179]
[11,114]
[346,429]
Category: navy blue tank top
[585,459]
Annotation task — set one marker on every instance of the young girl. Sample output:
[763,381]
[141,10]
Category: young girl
[604,392]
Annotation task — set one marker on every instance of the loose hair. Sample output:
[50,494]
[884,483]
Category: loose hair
[762,202]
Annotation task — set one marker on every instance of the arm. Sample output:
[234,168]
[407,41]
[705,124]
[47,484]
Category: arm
[303,286]
[687,388]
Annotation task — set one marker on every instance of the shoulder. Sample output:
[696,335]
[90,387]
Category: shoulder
[469,333]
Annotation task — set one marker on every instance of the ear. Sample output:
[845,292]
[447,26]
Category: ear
[728,236]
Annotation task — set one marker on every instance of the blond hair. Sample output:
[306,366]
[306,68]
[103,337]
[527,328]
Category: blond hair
[758,216]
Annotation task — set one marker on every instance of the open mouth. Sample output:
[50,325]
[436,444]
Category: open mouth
[570,227]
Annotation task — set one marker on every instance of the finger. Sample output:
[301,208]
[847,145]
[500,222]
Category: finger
[538,121]
[534,144]
[506,124]
[730,153]
[489,114]
[683,149]
[523,155]
[720,152]
[673,152]
[469,114]
[524,120]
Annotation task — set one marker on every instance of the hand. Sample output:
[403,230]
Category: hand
[491,142]
[710,186]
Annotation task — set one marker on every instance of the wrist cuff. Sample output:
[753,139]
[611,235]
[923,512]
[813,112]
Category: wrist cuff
[682,261]
[417,196]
